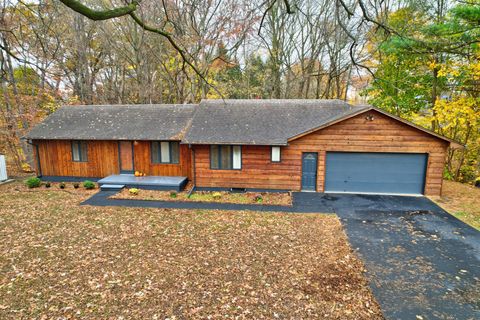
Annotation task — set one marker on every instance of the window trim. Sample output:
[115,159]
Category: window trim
[159,142]
[79,143]
[219,146]
[279,154]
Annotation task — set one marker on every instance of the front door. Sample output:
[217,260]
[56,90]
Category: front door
[309,171]
[125,149]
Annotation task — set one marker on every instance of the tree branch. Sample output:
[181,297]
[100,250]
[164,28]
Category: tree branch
[130,10]
[172,42]
[100,14]
[288,7]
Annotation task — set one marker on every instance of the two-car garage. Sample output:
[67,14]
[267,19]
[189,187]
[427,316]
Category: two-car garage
[369,172]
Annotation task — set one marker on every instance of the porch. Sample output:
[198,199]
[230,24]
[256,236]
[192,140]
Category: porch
[119,181]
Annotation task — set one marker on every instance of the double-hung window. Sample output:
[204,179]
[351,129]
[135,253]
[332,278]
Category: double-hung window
[165,151]
[225,157]
[275,157]
[79,151]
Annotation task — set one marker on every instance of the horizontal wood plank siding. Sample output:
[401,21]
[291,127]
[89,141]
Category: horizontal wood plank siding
[56,160]
[356,134]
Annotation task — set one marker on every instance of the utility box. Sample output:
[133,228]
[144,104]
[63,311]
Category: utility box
[3,168]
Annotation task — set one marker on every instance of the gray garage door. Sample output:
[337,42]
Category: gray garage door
[394,173]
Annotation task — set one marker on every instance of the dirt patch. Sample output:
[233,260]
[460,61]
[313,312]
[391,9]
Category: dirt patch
[266,198]
[61,260]
[462,201]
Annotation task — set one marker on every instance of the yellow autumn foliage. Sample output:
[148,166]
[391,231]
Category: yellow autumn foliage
[457,113]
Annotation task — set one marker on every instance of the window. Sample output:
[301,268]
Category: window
[165,151]
[79,151]
[226,157]
[275,154]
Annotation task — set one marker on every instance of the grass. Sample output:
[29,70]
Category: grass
[267,198]
[59,260]
[462,201]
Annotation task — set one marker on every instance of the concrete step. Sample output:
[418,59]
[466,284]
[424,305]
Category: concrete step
[112,187]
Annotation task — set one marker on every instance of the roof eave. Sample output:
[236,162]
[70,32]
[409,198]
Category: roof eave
[236,143]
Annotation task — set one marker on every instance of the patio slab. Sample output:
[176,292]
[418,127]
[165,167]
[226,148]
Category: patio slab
[148,182]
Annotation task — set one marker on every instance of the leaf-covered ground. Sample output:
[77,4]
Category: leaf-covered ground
[60,260]
[462,201]
[267,198]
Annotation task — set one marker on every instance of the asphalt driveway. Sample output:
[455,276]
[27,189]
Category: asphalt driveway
[422,263]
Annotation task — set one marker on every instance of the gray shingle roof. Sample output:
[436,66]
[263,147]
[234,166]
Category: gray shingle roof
[116,122]
[262,122]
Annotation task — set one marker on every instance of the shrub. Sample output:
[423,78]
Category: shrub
[173,194]
[76,185]
[258,197]
[467,174]
[134,191]
[89,185]
[47,185]
[447,175]
[477,182]
[217,195]
[33,182]
[62,185]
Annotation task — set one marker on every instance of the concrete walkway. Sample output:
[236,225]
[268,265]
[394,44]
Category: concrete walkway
[420,260]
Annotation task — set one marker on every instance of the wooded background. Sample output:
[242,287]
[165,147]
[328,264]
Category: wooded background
[417,59]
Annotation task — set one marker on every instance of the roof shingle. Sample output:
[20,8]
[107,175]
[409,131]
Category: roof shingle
[262,122]
[116,122]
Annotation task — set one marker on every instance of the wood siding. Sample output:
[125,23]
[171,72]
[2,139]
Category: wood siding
[143,161]
[56,160]
[356,134]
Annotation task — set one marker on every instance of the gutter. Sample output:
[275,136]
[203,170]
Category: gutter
[194,172]
[37,157]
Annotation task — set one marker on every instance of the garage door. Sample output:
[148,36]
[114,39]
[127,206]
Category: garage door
[391,173]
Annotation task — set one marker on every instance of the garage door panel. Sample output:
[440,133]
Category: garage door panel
[398,173]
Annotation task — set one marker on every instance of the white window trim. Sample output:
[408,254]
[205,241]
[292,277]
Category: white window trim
[276,154]
[237,157]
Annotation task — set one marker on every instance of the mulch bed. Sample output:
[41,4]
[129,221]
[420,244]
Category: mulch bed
[266,198]
[59,260]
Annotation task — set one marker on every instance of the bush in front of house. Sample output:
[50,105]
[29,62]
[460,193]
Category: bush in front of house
[133,191]
[89,185]
[76,185]
[173,194]
[33,182]
[216,195]
[477,182]
[258,198]
[62,185]
[48,185]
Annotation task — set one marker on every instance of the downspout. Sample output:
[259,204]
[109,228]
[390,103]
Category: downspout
[39,167]
[194,172]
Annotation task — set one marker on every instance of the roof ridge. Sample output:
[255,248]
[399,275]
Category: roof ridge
[129,105]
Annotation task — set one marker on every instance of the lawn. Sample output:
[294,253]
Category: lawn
[61,260]
[462,201]
[267,198]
